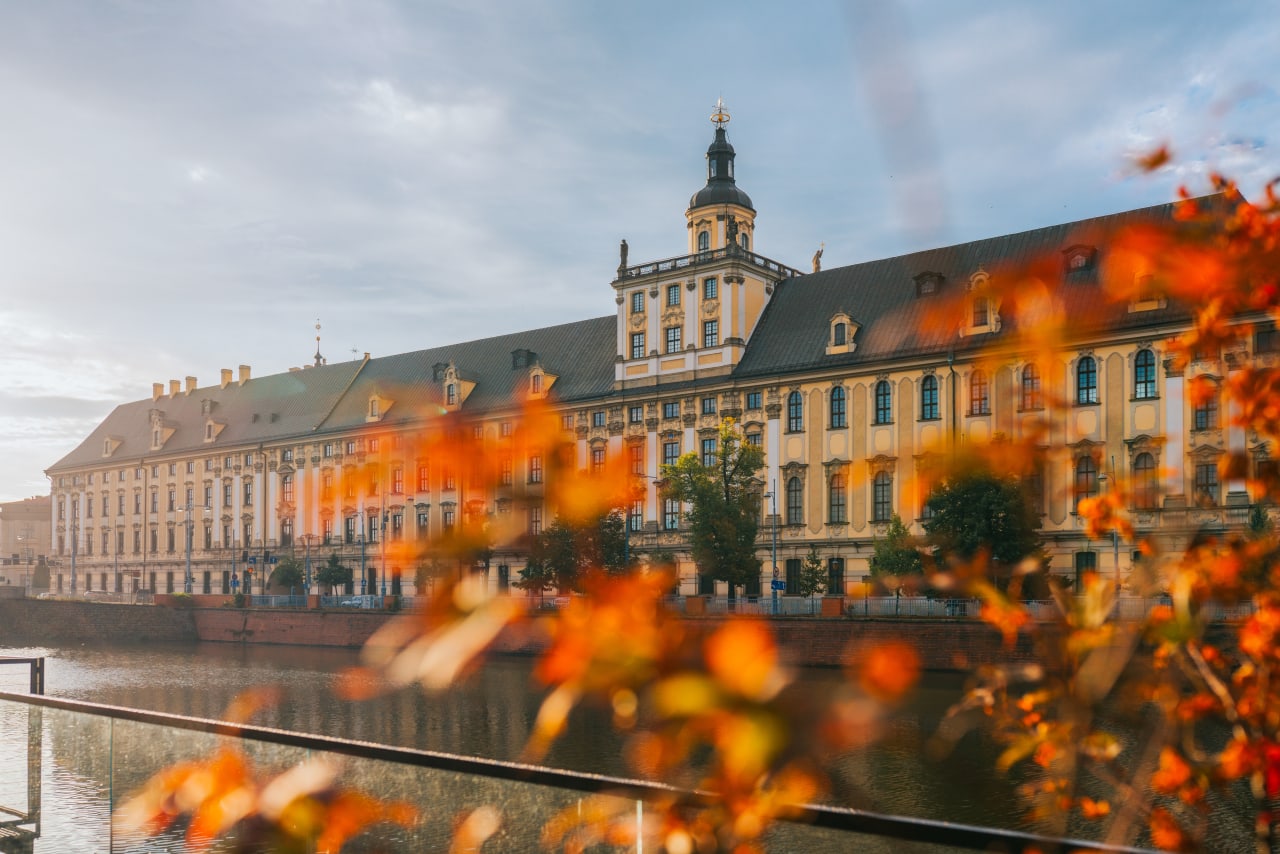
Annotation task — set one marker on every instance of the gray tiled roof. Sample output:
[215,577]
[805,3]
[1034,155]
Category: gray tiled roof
[880,296]
[333,398]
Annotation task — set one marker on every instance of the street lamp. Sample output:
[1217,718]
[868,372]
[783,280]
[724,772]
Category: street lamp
[772,495]
[187,523]
[75,539]
[307,540]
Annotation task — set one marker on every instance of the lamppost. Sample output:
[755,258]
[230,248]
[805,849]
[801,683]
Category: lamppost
[75,537]
[307,540]
[772,495]
[382,544]
[187,523]
[1115,537]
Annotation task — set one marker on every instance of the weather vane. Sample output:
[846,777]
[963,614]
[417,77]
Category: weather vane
[721,116]
[319,358]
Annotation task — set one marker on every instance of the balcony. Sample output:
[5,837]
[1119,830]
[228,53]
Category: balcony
[775,268]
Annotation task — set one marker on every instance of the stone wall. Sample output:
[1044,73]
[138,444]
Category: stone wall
[24,622]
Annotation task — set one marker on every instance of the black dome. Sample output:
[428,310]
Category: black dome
[721,189]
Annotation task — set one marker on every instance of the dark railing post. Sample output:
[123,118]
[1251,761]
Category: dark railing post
[37,675]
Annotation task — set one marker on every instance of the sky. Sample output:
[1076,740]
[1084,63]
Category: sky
[188,186]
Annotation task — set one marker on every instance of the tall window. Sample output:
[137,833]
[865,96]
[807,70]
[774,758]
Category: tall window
[884,402]
[838,335]
[710,333]
[795,413]
[286,532]
[1144,481]
[635,516]
[637,345]
[793,576]
[1144,375]
[670,453]
[637,302]
[704,239]
[838,420]
[929,398]
[671,409]
[709,405]
[981,313]
[836,499]
[795,502]
[1207,483]
[423,480]
[286,487]
[670,515]
[535,521]
[1086,562]
[1030,397]
[451,394]
[979,394]
[882,497]
[709,452]
[636,457]
[1086,478]
[673,339]
[835,576]
[597,459]
[1086,380]
[709,288]
[1205,413]
[673,295]
[535,468]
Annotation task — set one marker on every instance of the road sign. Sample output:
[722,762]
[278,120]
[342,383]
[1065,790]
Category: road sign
[777,585]
[253,559]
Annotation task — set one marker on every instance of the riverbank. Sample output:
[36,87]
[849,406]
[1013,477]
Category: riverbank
[944,644]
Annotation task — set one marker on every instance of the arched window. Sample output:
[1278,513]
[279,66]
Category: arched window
[1086,478]
[1086,380]
[704,241]
[837,408]
[1030,398]
[836,499]
[882,497]
[1144,375]
[451,394]
[1205,413]
[929,398]
[979,394]
[838,332]
[795,413]
[742,237]
[884,402]
[535,382]
[1144,481]
[795,502]
[286,487]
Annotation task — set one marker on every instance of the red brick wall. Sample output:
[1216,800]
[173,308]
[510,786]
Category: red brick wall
[37,621]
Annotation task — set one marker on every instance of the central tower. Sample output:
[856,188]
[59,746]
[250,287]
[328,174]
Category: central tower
[691,316]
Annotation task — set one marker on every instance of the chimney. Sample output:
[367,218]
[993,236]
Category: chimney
[175,386]
[244,374]
[226,377]
[157,391]
[191,384]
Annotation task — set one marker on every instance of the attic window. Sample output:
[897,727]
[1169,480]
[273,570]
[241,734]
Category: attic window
[373,407]
[841,334]
[208,432]
[451,394]
[535,384]
[1078,258]
[106,447]
[928,284]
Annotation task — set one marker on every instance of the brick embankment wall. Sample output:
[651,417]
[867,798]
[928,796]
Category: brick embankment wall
[306,628]
[942,644]
[25,622]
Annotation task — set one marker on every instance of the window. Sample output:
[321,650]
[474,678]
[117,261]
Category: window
[597,459]
[1086,479]
[838,420]
[795,412]
[208,498]
[710,333]
[566,421]
[286,532]
[835,576]
[981,313]
[447,519]
[190,499]
[882,497]
[286,455]
[248,460]
[326,487]
[597,418]
[671,409]
[286,487]
[670,515]
[328,450]
[173,469]
[635,455]
[477,432]
[506,472]
[708,406]
[637,345]
[704,237]
[673,295]
[1086,563]
[709,452]
[635,516]
[173,499]
[397,480]
[709,288]
[838,335]
[1030,393]
[373,407]
[670,453]
[979,394]
[226,496]
[120,503]
[1266,340]
[1086,381]
[795,502]
[535,468]
[451,394]
[88,506]
[374,445]
[635,414]
[351,447]
[1144,375]
[449,479]
[929,398]
[793,576]
[535,521]
[836,499]
[248,492]
[884,403]
[397,526]
[504,429]
[753,400]
[191,467]
[637,302]
[673,339]
[755,439]
[1207,483]
[535,384]
[1205,413]
[1144,481]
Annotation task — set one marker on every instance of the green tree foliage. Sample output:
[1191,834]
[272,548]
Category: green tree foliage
[429,572]
[333,573]
[975,511]
[1259,522]
[896,554]
[40,576]
[813,574]
[725,506]
[565,551]
[287,574]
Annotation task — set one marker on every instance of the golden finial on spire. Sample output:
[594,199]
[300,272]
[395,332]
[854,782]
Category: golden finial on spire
[319,359]
[721,116]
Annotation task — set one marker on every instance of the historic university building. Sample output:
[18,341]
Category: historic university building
[831,371]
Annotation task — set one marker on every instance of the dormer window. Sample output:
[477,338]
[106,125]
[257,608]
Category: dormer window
[839,335]
[451,394]
[1078,258]
[981,312]
[208,432]
[373,407]
[535,384]
[928,284]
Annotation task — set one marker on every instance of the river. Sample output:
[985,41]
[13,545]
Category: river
[490,715]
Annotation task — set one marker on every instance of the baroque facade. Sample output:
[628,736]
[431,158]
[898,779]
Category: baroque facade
[832,372]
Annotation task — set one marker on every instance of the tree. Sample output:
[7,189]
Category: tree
[896,554]
[427,573]
[333,573]
[813,574]
[976,510]
[287,574]
[725,505]
[566,550]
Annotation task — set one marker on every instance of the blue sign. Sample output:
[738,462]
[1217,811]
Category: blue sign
[253,560]
[778,585]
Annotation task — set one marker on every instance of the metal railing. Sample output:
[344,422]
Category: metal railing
[35,665]
[441,784]
[680,262]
